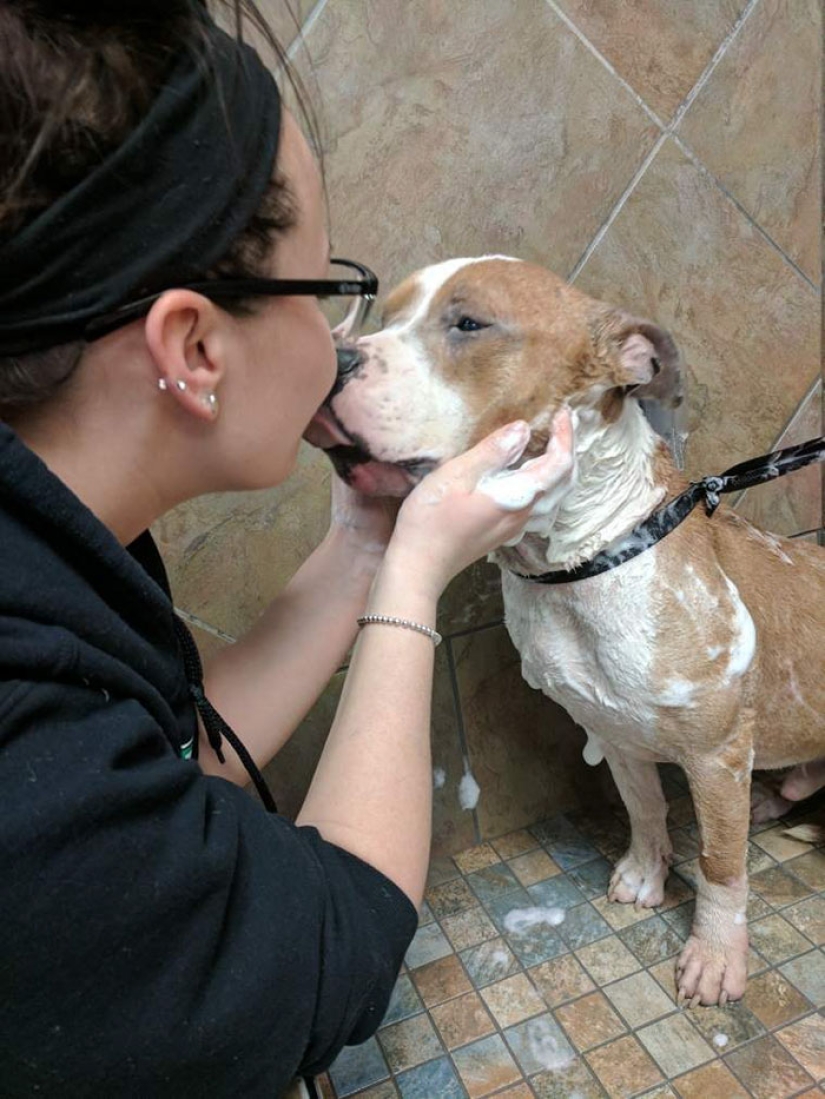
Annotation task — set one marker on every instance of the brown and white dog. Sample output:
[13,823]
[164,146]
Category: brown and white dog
[702,651]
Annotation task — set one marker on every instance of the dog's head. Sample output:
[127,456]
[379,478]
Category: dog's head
[469,345]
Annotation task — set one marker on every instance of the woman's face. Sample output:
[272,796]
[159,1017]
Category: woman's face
[285,363]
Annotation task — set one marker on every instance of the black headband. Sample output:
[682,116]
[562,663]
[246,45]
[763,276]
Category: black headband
[168,203]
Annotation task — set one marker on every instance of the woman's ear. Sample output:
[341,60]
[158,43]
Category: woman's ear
[185,335]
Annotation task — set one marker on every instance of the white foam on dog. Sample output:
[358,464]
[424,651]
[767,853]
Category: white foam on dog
[469,791]
[520,919]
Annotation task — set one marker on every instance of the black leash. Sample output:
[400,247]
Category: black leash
[756,471]
[215,726]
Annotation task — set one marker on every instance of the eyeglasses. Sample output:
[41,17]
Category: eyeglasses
[347,300]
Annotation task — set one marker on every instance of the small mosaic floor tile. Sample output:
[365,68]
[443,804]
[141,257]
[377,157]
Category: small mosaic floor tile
[513,1000]
[767,1069]
[561,979]
[558,892]
[778,887]
[358,1067]
[685,846]
[778,845]
[441,869]
[809,868]
[536,944]
[499,908]
[489,961]
[492,882]
[518,1091]
[774,1000]
[608,960]
[675,1045]
[681,918]
[624,1068]
[590,1021]
[425,915]
[462,1020]
[450,897]
[572,1079]
[409,1043]
[404,1001]
[533,867]
[809,917]
[437,1078]
[776,940]
[468,928]
[639,999]
[727,1027]
[539,1044]
[486,1066]
[428,945]
[620,916]
[807,973]
[652,941]
[476,858]
[515,843]
[593,877]
[583,925]
[713,1081]
[441,980]
[386,1090]
[806,1041]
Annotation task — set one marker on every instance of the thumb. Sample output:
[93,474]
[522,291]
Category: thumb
[495,452]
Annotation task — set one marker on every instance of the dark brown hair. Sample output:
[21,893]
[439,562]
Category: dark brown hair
[75,79]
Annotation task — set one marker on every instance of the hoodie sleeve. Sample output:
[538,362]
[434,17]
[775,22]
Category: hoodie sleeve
[162,934]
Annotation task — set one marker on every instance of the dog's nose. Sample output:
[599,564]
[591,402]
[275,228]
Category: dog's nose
[349,359]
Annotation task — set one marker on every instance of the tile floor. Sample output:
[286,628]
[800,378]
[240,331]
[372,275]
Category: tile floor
[586,1009]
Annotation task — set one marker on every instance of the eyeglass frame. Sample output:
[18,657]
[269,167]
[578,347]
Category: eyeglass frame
[365,290]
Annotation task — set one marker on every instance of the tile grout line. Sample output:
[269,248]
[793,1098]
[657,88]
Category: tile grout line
[462,734]
[194,620]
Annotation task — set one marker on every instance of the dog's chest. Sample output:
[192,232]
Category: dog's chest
[594,646]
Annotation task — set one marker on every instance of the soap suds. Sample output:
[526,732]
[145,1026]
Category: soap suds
[720,1040]
[468,791]
[520,919]
[439,777]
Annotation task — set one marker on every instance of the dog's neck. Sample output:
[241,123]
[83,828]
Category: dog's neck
[622,476]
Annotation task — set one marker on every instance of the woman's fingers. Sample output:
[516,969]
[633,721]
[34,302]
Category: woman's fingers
[534,483]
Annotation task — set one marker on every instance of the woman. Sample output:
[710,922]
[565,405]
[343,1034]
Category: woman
[163,935]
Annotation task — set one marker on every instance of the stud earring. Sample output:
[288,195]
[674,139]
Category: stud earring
[211,402]
[181,385]
[163,385]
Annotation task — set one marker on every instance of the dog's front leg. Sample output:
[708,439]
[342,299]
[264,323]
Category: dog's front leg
[714,963]
[639,877]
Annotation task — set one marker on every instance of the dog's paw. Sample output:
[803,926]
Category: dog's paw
[639,882]
[712,973]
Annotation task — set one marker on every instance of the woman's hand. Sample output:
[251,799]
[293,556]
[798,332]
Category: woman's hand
[473,504]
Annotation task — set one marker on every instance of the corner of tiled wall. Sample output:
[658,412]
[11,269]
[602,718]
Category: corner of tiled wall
[665,156]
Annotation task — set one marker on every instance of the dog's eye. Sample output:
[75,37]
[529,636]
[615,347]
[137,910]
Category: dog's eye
[468,324]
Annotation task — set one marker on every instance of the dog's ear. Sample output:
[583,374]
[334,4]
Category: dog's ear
[641,358]
[649,362]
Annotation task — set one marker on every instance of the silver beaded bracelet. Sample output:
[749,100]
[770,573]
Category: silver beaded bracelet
[405,623]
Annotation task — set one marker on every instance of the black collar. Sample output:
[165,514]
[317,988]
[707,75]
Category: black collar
[653,529]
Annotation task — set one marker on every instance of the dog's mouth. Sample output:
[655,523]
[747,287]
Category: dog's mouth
[354,463]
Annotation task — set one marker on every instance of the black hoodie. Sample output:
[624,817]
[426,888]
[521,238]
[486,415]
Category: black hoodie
[161,935]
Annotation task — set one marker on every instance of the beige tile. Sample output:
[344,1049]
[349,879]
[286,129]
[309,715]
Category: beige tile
[767,1069]
[660,47]
[533,867]
[809,917]
[485,1066]
[409,1043]
[675,1044]
[780,846]
[468,928]
[561,979]
[476,858]
[510,86]
[525,752]
[608,960]
[756,124]
[624,1068]
[776,940]
[638,999]
[450,897]
[794,502]
[590,1021]
[620,916]
[513,1000]
[774,1000]
[809,868]
[681,253]
[515,843]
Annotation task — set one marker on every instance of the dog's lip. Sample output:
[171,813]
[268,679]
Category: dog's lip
[326,431]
